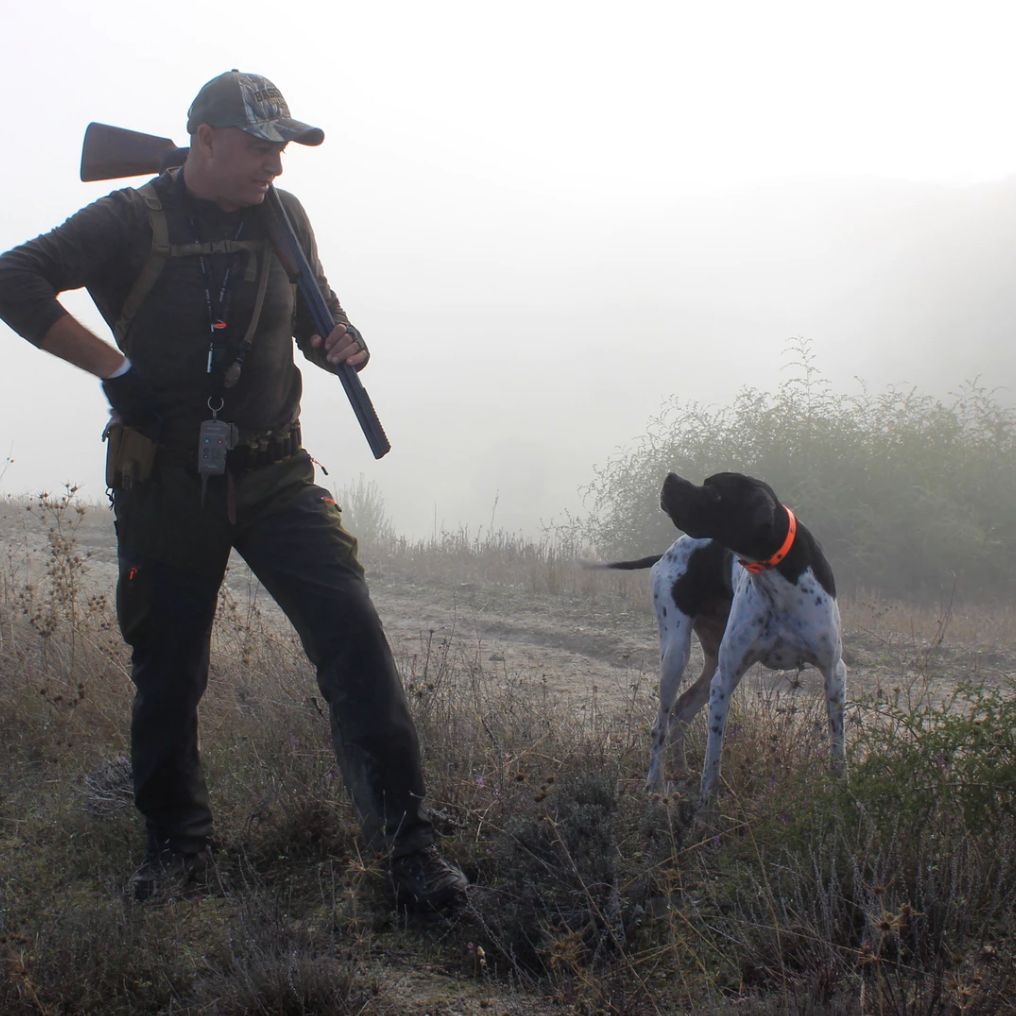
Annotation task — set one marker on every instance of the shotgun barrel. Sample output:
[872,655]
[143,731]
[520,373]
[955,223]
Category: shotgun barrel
[109,153]
[294,260]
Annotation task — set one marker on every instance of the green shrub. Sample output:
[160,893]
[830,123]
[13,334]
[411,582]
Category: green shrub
[903,875]
[907,493]
[947,760]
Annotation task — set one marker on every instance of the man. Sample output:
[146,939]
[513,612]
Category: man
[204,317]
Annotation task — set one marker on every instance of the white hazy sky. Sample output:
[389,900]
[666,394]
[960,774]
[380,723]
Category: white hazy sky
[517,204]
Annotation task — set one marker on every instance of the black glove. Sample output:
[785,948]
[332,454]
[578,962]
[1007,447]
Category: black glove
[131,397]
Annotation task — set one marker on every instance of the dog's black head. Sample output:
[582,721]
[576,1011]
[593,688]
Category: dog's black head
[738,511]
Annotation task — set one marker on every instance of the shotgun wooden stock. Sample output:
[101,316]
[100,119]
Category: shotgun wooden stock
[109,153]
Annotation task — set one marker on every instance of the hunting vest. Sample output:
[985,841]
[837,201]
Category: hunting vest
[256,251]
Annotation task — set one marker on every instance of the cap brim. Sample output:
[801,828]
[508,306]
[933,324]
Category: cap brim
[284,130]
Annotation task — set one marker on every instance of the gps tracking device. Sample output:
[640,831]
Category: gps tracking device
[215,439]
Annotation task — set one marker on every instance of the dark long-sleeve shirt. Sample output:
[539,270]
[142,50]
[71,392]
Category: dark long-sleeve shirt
[104,247]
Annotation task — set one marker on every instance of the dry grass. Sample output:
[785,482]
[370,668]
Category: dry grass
[985,625]
[890,893]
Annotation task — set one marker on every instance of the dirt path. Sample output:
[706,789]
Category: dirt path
[573,644]
[574,650]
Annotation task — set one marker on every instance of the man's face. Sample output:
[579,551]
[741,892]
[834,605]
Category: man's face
[241,167]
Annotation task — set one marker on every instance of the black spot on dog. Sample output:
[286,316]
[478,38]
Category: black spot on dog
[706,580]
[819,601]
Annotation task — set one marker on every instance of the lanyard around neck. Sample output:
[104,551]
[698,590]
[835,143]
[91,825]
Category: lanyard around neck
[217,308]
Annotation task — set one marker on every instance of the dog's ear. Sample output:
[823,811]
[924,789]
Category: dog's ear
[711,492]
[765,528]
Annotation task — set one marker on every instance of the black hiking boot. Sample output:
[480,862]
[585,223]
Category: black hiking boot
[170,874]
[428,884]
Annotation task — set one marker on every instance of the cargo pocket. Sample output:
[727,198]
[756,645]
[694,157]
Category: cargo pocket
[134,594]
[342,539]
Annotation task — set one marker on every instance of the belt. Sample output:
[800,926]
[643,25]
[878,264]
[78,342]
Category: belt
[261,448]
[254,449]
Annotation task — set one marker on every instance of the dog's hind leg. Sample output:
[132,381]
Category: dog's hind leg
[836,693]
[691,701]
[675,648]
[709,629]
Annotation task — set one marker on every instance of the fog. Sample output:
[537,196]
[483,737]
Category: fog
[548,219]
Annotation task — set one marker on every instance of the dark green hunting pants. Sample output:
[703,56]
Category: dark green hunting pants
[173,555]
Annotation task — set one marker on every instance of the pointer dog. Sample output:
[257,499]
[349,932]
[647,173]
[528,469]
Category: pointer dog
[752,583]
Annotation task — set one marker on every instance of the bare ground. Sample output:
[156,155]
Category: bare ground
[603,644]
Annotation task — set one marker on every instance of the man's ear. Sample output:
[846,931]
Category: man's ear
[203,140]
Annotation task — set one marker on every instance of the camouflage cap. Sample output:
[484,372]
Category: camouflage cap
[252,103]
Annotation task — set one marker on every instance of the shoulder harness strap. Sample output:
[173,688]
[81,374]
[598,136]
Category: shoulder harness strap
[152,267]
[162,249]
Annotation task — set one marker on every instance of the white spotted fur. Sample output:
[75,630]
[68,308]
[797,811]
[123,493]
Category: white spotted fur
[772,621]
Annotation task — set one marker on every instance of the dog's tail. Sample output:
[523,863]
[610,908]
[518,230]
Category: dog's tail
[642,562]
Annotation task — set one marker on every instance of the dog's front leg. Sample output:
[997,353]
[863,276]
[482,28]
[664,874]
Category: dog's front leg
[738,651]
[835,693]
[720,690]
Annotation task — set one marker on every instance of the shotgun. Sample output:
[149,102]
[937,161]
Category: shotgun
[112,152]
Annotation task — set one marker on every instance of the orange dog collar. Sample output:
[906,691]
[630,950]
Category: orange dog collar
[757,567]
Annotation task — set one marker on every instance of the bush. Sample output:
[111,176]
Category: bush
[364,513]
[908,494]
